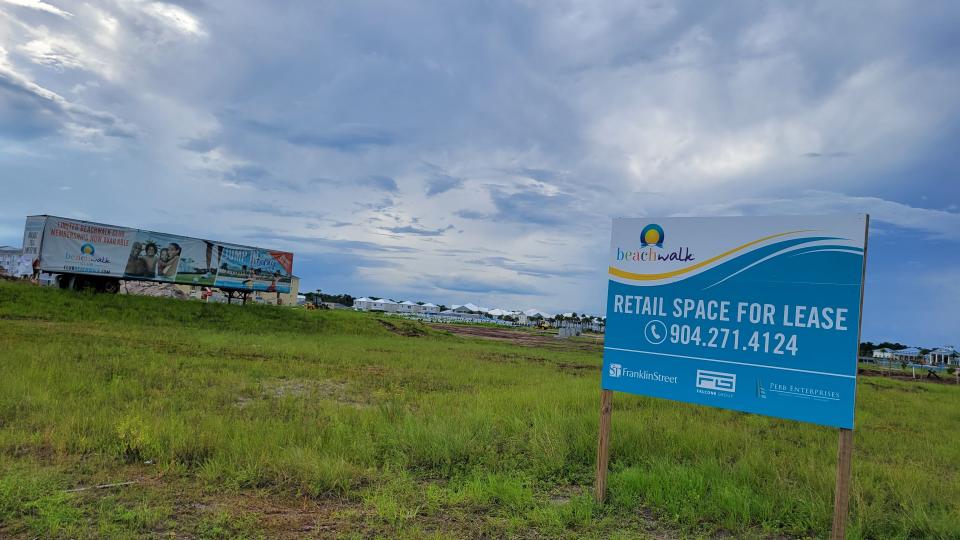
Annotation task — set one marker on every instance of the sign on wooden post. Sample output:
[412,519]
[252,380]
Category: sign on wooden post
[755,314]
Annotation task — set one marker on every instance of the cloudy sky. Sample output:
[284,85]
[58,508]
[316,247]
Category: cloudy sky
[476,151]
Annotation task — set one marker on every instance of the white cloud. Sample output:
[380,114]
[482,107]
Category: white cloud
[939,224]
[55,52]
[175,17]
[78,121]
[40,6]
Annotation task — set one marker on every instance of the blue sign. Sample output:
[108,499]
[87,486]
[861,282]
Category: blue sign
[754,314]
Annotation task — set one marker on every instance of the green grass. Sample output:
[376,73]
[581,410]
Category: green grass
[256,421]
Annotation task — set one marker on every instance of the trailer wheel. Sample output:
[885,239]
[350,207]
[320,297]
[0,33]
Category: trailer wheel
[110,286]
[82,283]
[63,281]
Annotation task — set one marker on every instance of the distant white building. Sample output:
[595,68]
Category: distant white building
[910,354]
[385,304]
[943,356]
[389,306]
[362,304]
[884,353]
[369,304]
[467,309]
[532,316]
[428,308]
[9,259]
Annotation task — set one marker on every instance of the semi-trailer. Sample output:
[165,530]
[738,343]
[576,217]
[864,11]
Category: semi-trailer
[87,255]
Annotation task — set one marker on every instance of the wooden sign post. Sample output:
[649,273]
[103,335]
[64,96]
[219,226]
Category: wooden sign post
[842,498]
[603,445]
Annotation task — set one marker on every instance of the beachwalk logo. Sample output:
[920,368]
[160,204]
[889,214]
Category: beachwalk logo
[617,371]
[716,383]
[651,248]
[86,256]
[652,234]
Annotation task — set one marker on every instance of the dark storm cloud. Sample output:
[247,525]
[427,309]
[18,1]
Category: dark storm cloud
[532,270]
[326,265]
[472,285]
[328,244]
[345,137]
[418,231]
[272,209]
[442,184]
[471,214]
[826,155]
[36,110]
[382,183]
[534,207]
[201,144]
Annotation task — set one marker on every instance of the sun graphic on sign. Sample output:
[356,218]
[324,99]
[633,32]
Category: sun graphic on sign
[87,249]
[651,234]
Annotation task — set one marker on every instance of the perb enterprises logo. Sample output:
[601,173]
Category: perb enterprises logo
[652,238]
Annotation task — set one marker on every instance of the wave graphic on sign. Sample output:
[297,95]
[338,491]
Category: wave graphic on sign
[745,259]
[793,251]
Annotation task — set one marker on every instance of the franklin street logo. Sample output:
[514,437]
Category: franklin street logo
[617,371]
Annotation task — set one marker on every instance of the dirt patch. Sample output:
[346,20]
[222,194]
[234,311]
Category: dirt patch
[282,517]
[404,330]
[519,337]
[577,369]
[922,376]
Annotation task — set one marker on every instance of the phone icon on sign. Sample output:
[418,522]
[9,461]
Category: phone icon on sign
[655,332]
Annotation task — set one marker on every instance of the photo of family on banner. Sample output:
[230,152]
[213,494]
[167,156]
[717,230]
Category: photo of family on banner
[192,261]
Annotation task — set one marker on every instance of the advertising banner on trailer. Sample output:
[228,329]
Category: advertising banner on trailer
[74,246]
[748,313]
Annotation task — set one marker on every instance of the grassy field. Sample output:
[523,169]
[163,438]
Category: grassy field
[261,422]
